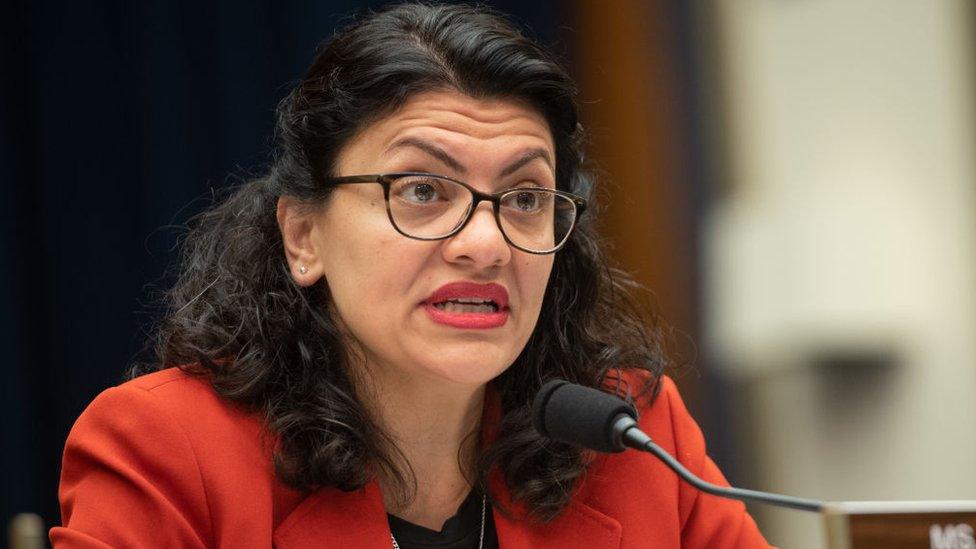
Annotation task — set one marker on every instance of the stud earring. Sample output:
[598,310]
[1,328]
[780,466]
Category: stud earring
[303,269]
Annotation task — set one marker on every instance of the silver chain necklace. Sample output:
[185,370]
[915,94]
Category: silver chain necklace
[481,537]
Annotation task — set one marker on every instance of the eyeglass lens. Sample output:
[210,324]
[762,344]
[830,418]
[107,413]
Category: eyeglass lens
[430,207]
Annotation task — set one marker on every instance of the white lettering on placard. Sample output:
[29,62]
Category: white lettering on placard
[952,536]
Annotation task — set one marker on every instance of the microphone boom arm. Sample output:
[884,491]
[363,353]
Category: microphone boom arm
[630,435]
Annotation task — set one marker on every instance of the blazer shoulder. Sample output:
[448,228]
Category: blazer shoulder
[174,457]
[658,402]
[129,454]
[194,403]
[183,395]
[171,383]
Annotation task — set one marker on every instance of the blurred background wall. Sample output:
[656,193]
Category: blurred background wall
[792,180]
[840,248]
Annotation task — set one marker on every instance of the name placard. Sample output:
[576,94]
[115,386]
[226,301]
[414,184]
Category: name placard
[901,525]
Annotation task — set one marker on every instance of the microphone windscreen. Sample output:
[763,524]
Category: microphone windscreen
[579,415]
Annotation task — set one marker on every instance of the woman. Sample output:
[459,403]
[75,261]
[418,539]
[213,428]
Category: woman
[355,340]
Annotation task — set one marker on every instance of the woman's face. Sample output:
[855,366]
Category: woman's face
[394,294]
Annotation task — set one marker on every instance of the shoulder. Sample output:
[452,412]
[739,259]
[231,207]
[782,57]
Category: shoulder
[130,452]
[168,397]
[178,389]
[666,418]
[164,449]
[662,412]
[166,387]
[176,402]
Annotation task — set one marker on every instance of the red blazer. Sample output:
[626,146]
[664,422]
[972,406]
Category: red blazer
[162,461]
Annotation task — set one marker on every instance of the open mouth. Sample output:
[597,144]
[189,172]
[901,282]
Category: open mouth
[467,305]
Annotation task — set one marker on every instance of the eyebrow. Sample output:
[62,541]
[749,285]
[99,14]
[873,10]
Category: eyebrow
[430,149]
[527,157]
[451,162]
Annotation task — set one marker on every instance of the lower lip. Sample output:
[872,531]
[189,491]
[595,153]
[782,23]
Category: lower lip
[469,321]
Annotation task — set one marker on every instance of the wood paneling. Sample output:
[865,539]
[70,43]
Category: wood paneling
[636,115]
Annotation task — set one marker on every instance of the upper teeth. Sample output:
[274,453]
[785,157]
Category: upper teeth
[468,305]
[471,300]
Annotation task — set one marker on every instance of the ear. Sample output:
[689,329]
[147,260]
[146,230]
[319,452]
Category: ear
[296,224]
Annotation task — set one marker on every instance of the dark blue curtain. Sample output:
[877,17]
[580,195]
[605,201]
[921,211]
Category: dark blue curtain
[117,121]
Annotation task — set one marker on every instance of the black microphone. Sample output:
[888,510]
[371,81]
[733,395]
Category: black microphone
[587,417]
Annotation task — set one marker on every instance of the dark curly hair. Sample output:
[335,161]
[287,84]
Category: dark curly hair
[237,317]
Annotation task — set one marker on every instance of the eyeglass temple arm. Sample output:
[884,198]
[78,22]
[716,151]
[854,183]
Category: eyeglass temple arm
[355,179]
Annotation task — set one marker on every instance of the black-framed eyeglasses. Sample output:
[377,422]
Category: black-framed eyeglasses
[423,206]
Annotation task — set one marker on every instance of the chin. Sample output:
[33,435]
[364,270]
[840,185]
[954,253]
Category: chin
[473,369]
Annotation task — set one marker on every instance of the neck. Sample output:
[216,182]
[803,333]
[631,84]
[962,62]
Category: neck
[435,427]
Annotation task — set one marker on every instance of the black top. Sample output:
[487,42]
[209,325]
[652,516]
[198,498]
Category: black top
[461,531]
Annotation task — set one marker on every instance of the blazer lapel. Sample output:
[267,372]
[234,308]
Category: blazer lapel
[579,525]
[332,518]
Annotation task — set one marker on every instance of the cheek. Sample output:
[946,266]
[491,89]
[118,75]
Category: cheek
[371,272]
[358,270]
[351,253]
[534,273]
[351,237]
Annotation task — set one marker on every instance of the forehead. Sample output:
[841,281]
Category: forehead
[477,128]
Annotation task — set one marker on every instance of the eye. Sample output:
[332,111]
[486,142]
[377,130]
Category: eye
[419,190]
[525,201]
[423,192]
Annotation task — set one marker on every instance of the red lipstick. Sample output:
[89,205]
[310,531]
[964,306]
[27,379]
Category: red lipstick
[469,305]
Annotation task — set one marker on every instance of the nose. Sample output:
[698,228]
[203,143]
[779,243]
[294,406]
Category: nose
[481,243]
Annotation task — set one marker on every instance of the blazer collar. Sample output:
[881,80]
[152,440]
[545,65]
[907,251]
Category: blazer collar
[332,518]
